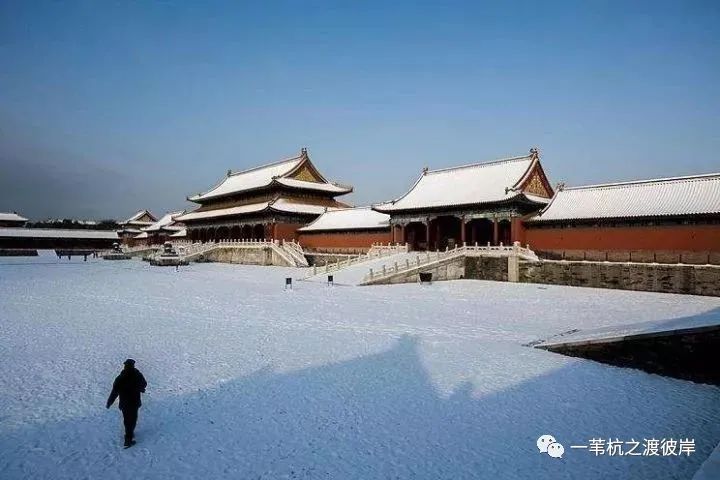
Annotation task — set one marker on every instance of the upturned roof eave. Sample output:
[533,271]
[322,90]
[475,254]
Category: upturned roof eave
[518,196]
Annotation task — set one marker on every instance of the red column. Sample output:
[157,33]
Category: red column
[427,233]
[495,231]
[402,234]
[516,230]
[392,228]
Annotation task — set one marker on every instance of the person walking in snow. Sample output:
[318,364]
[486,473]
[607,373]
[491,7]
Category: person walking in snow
[128,386]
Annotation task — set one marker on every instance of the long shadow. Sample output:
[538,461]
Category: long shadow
[379,417]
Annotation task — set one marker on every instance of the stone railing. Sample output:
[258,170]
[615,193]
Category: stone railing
[288,252]
[382,250]
[376,251]
[295,251]
[429,258]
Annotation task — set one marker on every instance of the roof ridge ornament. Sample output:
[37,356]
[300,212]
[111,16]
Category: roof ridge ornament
[229,172]
[303,151]
[560,186]
[425,170]
[535,152]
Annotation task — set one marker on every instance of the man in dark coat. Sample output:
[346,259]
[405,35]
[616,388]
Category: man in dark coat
[128,386]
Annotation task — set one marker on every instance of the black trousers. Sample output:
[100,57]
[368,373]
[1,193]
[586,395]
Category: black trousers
[130,416]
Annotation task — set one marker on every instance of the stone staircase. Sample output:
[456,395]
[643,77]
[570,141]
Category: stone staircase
[401,272]
[376,252]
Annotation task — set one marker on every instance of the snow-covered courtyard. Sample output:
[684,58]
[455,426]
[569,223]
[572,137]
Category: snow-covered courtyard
[248,380]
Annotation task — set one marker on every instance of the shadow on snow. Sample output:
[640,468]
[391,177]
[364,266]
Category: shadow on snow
[377,416]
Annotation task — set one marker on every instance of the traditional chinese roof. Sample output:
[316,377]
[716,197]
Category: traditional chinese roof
[516,178]
[11,217]
[167,223]
[135,219]
[180,233]
[296,173]
[677,196]
[356,218]
[277,205]
[57,233]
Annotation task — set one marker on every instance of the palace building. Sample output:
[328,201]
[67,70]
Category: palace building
[479,203]
[133,226]
[664,220]
[12,219]
[161,231]
[267,202]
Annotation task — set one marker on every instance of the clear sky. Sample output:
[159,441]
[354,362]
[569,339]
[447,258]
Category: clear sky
[107,107]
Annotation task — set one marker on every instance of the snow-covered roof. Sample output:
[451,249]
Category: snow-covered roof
[134,219]
[693,195]
[11,217]
[166,222]
[180,233]
[478,183]
[357,218]
[57,233]
[325,187]
[265,175]
[140,236]
[279,205]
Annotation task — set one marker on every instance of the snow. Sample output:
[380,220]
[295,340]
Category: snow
[695,195]
[280,204]
[284,205]
[139,214]
[265,175]
[325,187]
[56,233]
[642,328]
[357,218]
[249,179]
[166,222]
[222,212]
[248,380]
[470,184]
[12,217]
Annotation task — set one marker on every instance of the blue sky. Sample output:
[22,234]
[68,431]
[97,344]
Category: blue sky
[110,107]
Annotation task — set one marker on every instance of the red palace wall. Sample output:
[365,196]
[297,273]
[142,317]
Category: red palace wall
[284,231]
[336,241]
[696,242]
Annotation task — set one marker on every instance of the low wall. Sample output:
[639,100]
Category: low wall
[637,256]
[687,279]
[487,268]
[322,259]
[244,256]
[690,354]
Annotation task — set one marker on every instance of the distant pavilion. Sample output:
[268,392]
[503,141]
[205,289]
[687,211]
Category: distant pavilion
[161,231]
[479,203]
[12,219]
[133,226]
[267,202]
